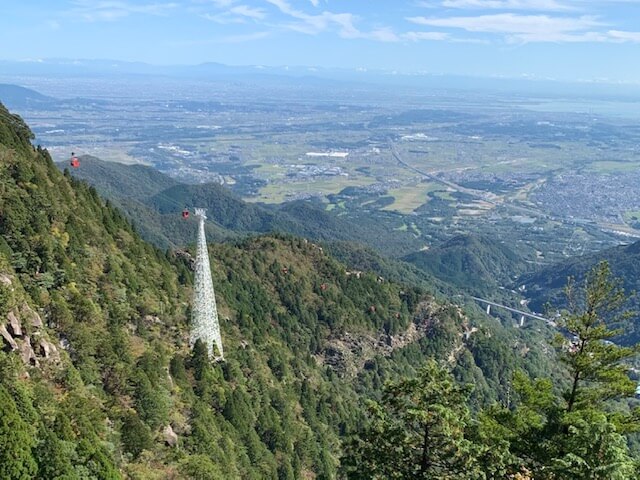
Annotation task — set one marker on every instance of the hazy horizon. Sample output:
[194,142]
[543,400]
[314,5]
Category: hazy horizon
[565,40]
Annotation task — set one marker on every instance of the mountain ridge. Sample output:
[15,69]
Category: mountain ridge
[128,398]
[546,286]
[17,97]
[318,74]
[228,212]
[472,262]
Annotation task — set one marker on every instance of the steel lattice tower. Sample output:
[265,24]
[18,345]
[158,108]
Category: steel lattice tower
[204,318]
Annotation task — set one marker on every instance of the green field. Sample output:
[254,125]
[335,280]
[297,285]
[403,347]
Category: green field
[407,199]
[633,215]
[280,192]
[612,166]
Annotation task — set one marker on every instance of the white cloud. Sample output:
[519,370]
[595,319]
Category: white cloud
[284,7]
[433,36]
[620,36]
[533,27]
[223,3]
[249,12]
[550,5]
[344,23]
[513,27]
[438,37]
[558,37]
[223,18]
[314,24]
[249,37]
[235,14]
[91,11]
[382,35]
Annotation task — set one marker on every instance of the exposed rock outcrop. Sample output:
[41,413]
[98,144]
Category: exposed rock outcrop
[15,337]
[7,338]
[31,317]
[27,354]
[13,324]
[151,320]
[351,352]
[170,437]
[48,350]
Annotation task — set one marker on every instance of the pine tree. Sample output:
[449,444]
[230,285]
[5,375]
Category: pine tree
[419,431]
[596,365]
[591,444]
[16,442]
[201,467]
[575,435]
[136,435]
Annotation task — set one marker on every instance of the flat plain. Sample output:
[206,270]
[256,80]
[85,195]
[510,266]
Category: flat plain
[549,174]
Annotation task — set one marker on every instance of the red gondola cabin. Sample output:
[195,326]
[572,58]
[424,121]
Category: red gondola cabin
[185,213]
[75,163]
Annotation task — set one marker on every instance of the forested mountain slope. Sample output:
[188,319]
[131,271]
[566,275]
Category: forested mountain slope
[117,180]
[153,201]
[473,263]
[546,286]
[15,96]
[96,377]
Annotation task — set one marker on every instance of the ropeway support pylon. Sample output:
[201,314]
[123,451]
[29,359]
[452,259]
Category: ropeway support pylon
[204,317]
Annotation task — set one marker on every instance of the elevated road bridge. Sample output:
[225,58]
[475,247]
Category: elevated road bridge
[522,314]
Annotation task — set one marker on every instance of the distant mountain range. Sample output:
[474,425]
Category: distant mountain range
[312,74]
[17,97]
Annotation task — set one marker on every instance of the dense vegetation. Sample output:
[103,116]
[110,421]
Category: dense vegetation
[474,263]
[153,201]
[545,287]
[97,380]
[423,428]
[101,384]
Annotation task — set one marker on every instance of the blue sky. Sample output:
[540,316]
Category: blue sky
[560,39]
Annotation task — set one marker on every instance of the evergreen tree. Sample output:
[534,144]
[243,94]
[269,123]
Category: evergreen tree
[280,404]
[136,435]
[54,457]
[151,401]
[16,442]
[575,435]
[201,467]
[590,440]
[419,431]
[591,447]
[596,365]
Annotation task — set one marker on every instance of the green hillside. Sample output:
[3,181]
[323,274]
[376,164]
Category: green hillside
[473,263]
[15,96]
[121,181]
[326,372]
[129,187]
[153,201]
[96,377]
[546,286]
